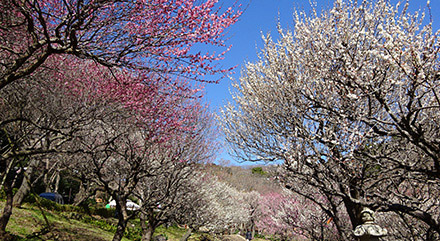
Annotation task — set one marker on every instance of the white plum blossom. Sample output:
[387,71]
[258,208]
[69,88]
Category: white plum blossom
[354,93]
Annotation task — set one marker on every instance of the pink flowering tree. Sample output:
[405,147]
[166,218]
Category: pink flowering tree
[155,36]
[278,215]
[126,63]
[144,125]
[106,122]
[288,215]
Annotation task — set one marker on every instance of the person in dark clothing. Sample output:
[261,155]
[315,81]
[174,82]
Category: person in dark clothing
[248,235]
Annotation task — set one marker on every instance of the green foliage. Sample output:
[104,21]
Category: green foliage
[30,198]
[50,205]
[172,232]
[68,184]
[53,206]
[133,233]
[2,195]
[87,209]
[102,224]
[103,212]
[259,171]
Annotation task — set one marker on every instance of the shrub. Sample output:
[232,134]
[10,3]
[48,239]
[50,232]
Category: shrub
[134,233]
[103,212]
[2,195]
[30,198]
[259,171]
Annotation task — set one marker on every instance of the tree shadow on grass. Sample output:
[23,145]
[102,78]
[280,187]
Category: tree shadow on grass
[65,234]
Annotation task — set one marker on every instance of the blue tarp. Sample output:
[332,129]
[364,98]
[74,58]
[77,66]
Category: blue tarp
[53,197]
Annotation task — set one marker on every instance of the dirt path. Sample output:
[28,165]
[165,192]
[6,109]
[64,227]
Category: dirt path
[233,238]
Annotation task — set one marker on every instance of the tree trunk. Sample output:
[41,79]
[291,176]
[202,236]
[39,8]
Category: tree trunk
[122,218]
[7,210]
[46,180]
[147,232]
[149,227]
[22,192]
[25,186]
[354,212]
[353,209]
[186,235]
[253,227]
[82,194]
[57,181]
[122,224]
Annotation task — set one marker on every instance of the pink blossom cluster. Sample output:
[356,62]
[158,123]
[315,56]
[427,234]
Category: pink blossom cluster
[156,104]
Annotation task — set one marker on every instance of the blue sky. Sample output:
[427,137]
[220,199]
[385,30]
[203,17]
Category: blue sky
[261,17]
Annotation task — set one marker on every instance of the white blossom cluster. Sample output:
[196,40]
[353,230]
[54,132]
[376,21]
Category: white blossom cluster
[226,206]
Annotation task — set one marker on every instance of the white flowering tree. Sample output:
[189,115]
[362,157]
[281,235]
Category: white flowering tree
[349,101]
[214,206]
[226,203]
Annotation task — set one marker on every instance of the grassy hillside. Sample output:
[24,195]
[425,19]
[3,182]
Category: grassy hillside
[73,223]
[28,223]
[245,178]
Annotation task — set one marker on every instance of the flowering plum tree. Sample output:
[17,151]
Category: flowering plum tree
[143,124]
[154,36]
[288,215]
[137,57]
[35,125]
[349,102]
[221,206]
[174,175]
[107,121]
[251,203]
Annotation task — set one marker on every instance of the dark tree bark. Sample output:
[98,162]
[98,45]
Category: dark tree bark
[122,224]
[22,192]
[122,219]
[149,227]
[147,231]
[7,210]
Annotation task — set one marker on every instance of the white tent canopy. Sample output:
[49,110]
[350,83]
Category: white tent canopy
[130,205]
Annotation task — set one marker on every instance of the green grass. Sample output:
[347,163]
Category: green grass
[27,223]
[67,223]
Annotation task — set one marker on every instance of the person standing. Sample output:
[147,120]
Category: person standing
[248,236]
